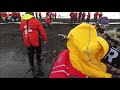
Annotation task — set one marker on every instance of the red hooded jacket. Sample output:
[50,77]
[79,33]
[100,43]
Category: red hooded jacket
[83,15]
[62,67]
[4,14]
[13,14]
[96,15]
[32,36]
[18,15]
[48,20]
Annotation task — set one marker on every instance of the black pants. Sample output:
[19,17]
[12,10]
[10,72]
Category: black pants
[95,19]
[82,19]
[49,25]
[31,51]
[87,20]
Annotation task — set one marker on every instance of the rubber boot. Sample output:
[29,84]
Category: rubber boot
[40,72]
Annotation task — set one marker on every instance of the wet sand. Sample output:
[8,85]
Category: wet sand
[13,54]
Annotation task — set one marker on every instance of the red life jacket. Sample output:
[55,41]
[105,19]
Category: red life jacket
[63,69]
[32,36]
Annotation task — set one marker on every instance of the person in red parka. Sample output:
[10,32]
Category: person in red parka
[4,16]
[30,28]
[63,68]
[100,14]
[13,16]
[96,16]
[71,17]
[88,17]
[18,16]
[48,21]
[83,16]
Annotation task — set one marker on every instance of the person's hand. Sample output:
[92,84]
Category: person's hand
[44,41]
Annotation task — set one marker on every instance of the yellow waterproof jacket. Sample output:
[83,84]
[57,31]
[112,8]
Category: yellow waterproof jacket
[86,51]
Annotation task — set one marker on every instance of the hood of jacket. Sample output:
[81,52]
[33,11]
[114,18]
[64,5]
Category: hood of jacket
[27,16]
[86,51]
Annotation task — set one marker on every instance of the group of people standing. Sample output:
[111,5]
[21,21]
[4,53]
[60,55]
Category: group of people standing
[13,16]
[49,18]
[81,16]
